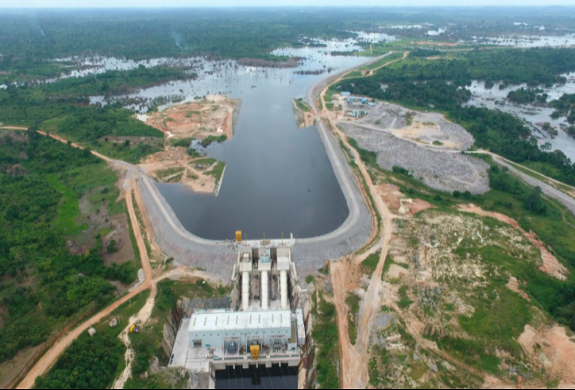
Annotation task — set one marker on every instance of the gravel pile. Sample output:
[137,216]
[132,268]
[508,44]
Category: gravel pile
[444,171]
[389,117]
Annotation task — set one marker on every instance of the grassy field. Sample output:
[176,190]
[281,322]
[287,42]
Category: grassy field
[370,263]
[217,171]
[383,61]
[352,300]
[303,106]
[325,334]
[65,222]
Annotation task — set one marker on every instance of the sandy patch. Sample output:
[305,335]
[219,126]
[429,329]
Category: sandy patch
[197,119]
[550,263]
[513,285]
[396,272]
[185,171]
[426,134]
[551,347]
[413,206]
[391,195]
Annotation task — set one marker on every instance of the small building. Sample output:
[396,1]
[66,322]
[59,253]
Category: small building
[345,93]
[371,104]
[91,332]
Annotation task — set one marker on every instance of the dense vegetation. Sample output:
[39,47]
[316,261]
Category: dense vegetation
[533,67]
[565,106]
[41,284]
[94,362]
[523,96]
[438,85]
[114,82]
[72,118]
[326,337]
[89,363]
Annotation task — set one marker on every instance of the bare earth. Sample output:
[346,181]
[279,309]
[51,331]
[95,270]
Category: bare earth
[215,116]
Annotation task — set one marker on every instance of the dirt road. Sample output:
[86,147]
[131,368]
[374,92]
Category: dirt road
[355,359]
[48,360]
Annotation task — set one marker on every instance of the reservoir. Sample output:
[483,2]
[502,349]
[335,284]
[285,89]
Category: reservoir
[278,178]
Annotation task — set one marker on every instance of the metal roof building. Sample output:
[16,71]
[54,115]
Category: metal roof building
[217,328]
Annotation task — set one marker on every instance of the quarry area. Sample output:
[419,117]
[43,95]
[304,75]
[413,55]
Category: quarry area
[189,128]
[425,144]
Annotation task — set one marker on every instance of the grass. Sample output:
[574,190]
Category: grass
[404,302]
[204,162]
[69,209]
[559,186]
[355,73]
[325,335]
[217,171]
[165,173]
[352,301]
[301,105]
[388,263]
[370,263]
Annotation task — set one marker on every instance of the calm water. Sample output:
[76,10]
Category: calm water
[257,378]
[278,178]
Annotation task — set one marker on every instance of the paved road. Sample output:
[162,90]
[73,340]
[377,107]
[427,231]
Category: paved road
[547,189]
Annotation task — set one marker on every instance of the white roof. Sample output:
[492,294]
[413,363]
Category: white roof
[229,320]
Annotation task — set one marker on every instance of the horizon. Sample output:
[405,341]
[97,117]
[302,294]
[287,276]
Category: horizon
[193,4]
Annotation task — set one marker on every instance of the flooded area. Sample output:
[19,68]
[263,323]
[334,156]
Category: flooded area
[532,114]
[526,41]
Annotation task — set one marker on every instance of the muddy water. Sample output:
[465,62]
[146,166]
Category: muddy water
[278,179]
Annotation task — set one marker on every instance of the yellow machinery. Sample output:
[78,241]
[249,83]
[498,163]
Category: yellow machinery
[239,236]
[255,351]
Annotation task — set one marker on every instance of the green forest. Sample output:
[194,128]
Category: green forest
[43,286]
[436,85]
[93,126]
[114,82]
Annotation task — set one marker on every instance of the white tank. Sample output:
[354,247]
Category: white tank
[246,291]
[265,290]
[284,290]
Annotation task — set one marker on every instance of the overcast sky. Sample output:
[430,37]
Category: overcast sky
[227,3]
